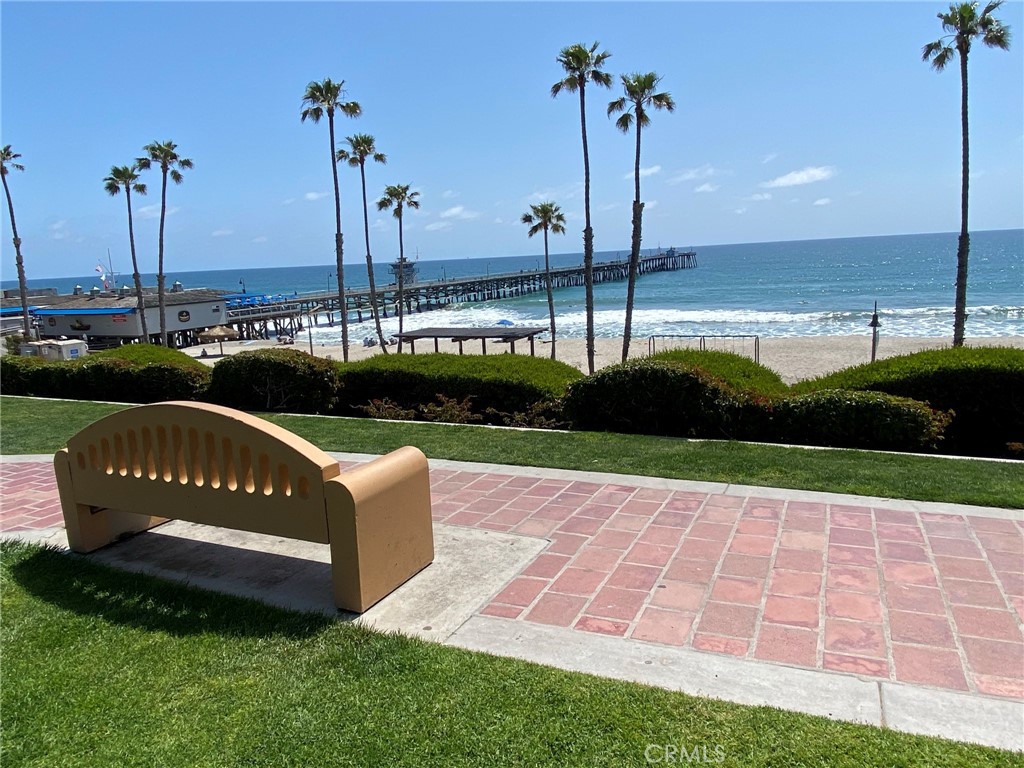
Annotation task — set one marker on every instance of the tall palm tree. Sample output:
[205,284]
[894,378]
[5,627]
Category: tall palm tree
[583,65]
[321,98]
[641,98]
[127,177]
[163,154]
[964,25]
[362,146]
[546,217]
[7,160]
[399,196]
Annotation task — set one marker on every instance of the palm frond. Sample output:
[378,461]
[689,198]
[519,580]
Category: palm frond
[625,122]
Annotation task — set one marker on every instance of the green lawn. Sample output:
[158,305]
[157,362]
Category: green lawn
[42,426]
[104,668]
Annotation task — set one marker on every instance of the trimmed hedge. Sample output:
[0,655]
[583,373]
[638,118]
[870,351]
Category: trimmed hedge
[495,384]
[983,386]
[738,371]
[655,397]
[95,377]
[275,380]
[148,354]
[851,419]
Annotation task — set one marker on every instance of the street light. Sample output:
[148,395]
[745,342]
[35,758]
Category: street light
[328,282]
[241,282]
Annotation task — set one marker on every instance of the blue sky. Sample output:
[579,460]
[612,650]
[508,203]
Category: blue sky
[793,121]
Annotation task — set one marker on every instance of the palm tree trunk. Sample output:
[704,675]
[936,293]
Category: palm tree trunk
[369,262]
[964,242]
[551,294]
[588,236]
[338,244]
[634,252]
[401,278]
[141,302]
[161,298]
[22,285]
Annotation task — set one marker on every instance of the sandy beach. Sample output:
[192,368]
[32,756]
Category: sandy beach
[793,358]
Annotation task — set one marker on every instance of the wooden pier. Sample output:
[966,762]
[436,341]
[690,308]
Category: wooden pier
[285,316]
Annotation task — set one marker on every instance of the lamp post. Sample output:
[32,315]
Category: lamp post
[874,325]
[241,282]
[328,283]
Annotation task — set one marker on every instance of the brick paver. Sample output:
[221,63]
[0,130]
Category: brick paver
[922,598]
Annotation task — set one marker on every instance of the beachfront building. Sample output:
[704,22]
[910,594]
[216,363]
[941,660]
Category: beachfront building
[110,318]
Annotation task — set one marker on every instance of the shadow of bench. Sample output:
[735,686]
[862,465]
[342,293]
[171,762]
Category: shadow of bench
[202,463]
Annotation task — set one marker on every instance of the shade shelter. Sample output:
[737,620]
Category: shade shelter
[220,334]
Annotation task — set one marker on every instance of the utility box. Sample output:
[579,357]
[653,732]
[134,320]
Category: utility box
[55,350]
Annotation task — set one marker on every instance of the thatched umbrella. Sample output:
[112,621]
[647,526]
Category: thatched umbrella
[220,333]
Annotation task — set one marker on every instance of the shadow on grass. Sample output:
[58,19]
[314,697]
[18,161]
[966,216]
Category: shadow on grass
[72,583]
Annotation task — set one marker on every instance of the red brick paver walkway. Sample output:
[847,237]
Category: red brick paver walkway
[931,599]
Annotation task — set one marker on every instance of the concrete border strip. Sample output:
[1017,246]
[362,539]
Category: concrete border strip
[907,708]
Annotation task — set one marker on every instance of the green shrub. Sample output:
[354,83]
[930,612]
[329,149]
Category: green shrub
[495,383]
[147,354]
[738,371]
[97,377]
[983,386]
[851,419]
[17,373]
[653,397]
[275,380]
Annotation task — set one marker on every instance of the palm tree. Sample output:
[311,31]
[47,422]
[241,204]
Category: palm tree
[7,160]
[546,217]
[399,196]
[127,177]
[639,90]
[319,98]
[361,146]
[582,65]
[165,155]
[964,25]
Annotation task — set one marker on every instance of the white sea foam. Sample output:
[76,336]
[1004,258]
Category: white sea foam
[919,321]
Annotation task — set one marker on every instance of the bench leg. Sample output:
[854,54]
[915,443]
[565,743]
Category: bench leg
[88,530]
[380,529]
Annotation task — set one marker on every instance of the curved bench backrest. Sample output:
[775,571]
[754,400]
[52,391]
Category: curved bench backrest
[206,464]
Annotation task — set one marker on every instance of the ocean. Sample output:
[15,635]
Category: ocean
[797,288]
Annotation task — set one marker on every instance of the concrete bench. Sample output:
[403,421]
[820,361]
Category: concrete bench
[206,464]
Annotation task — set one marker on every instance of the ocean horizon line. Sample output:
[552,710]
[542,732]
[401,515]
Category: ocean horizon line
[358,261]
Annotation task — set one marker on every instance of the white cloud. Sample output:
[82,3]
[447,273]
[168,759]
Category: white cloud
[499,221]
[741,210]
[645,172]
[607,207]
[222,232]
[58,230]
[706,187]
[822,201]
[650,205]
[288,201]
[153,211]
[769,157]
[459,212]
[260,239]
[379,225]
[311,196]
[759,197]
[448,194]
[807,175]
[705,171]
[569,191]
[438,226]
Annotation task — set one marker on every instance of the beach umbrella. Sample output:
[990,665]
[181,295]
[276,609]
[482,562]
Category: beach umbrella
[220,334]
[505,322]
